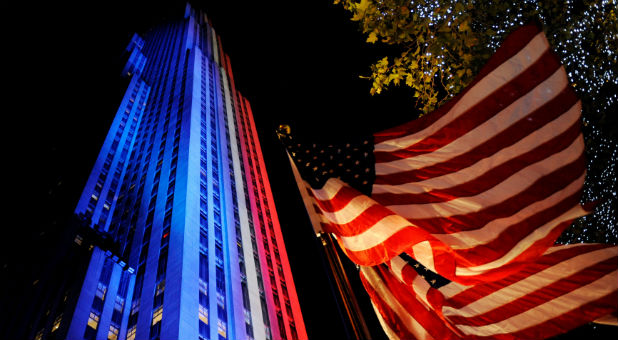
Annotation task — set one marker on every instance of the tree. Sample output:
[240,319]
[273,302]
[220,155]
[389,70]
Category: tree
[440,45]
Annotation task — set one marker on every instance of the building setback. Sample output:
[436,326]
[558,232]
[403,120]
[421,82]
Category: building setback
[177,216]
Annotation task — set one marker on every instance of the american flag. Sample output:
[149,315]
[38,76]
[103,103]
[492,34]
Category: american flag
[476,192]
[566,287]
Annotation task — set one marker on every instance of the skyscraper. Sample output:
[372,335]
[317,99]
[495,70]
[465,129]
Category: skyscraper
[180,228]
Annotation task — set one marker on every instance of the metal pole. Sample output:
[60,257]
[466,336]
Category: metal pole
[353,311]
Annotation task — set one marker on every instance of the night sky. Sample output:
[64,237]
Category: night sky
[298,63]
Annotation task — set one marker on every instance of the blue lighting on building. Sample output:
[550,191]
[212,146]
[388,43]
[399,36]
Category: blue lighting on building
[177,215]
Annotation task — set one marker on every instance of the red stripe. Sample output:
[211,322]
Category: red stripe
[543,115]
[364,221]
[430,321]
[433,296]
[507,239]
[539,190]
[571,320]
[562,324]
[408,274]
[518,263]
[481,111]
[542,263]
[538,297]
[511,46]
[489,179]
[341,199]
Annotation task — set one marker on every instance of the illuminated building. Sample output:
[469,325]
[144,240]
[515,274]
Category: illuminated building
[181,229]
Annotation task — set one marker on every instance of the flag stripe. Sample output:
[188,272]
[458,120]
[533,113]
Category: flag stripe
[485,86]
[531,279]
[567,287]
[527,178]
[392,309]
[554,255]
[507,228]
[552,290]
[392,297]
[392,335]
[481,176]
[528,90]
[369,252]
[595,292]
[371,234]
[514,141]
[536,243]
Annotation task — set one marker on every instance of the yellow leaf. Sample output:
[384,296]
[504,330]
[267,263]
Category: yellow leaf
[362,6]
[409,80]
[396,77]
[382,64]
[373,37]
[360,9]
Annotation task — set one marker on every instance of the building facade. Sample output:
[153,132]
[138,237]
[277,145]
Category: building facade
[179,193]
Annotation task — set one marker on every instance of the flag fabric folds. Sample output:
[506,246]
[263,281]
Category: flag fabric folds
[496,174]
[566,287]
[476,192]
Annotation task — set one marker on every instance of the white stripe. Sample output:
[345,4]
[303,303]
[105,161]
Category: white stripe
[423,253]
[377,234]
[381,289]
[329,190]
[350,211]
[510,115]
[535,282]
[562,247]
[531,141]
[523,244]
[387,329]
[609,319]
[513,185]
[549,310]
[397,264]
[452,288]
[492,230]
[495,79]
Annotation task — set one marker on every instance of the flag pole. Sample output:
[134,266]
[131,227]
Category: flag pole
[352,309]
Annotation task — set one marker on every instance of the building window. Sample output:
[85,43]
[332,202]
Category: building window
[222,328]
[157,315]
[113,333]
[101,290]
[131,333]
[93,320]
[203,314]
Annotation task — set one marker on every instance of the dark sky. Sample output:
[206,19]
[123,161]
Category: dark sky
[298,63]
